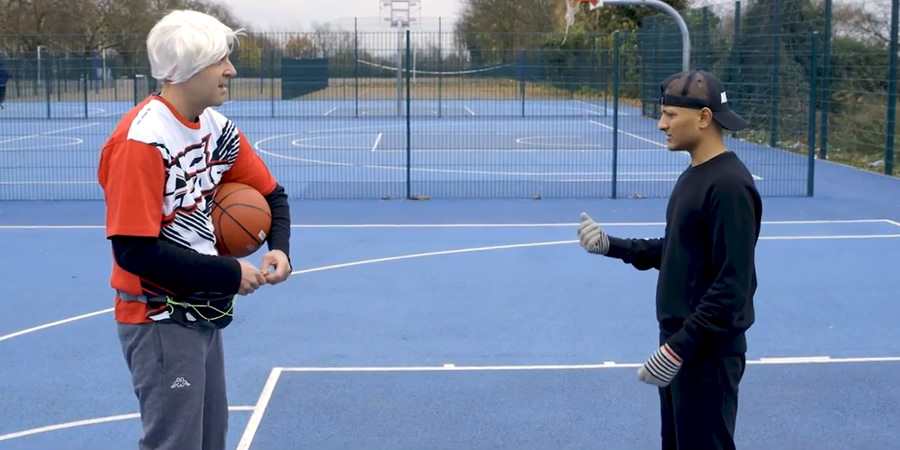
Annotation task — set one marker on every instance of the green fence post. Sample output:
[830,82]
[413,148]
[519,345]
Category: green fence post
[813,69]
[615,132]
[522,76]
[85,82]
[48,91]
[892,92]
[408,114]
[776,71]
[826,83]
[356,67]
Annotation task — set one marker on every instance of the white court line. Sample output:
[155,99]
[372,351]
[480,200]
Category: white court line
[632,135]
[71,128]
[258,146]
[21,138]
[829,237]
[448,252]
[480,225]
[266,395]
[88,422]
[650,141]
[41,183]
[469,110]
[377,140]
[320,269]
[53,324]
[330,111]
[594,108]
[509,150]
[429,254]
[259,410]
[449,367]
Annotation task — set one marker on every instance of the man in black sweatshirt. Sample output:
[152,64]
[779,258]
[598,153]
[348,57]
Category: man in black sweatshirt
[706,263]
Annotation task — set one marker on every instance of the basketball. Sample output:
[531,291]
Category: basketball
[241,219]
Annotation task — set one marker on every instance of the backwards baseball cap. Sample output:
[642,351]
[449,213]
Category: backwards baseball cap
[698,89]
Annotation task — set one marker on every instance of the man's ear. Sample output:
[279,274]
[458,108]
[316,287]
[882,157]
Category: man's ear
[706,118]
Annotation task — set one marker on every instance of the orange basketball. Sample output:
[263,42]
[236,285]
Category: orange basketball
[241,219]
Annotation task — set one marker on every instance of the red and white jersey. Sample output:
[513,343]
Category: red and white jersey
[159,172]
[195,157]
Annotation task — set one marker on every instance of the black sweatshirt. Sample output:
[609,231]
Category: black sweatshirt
[181,270]
[706,259]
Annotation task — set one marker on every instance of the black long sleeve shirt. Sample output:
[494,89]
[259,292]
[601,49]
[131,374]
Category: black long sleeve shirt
[184,271]
[706,259]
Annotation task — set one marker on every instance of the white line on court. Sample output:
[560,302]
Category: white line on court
[53,324]
[554,150]
[460,251]
[469,110]
[435,253]
[829,237]
[330,111]
[266,394]
[259,410]
[317,269]
[650,141]
[88,422]
[39,183]
[632,135]
[377,140]
[481,225]
[45,133]
[604,365]
[71,128]
[608,109]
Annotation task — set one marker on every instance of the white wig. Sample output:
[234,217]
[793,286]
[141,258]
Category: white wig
[185,42]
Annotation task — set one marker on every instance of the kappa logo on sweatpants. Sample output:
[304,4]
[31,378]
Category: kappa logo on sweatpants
[180,382]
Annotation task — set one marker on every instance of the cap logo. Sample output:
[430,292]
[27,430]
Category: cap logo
[724,98]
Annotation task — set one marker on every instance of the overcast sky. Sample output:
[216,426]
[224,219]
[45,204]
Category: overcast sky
[298,15]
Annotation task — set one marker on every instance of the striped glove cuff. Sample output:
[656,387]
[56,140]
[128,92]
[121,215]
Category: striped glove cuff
[661,368]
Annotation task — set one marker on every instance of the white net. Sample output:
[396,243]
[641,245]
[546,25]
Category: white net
[571,6]
[572,9]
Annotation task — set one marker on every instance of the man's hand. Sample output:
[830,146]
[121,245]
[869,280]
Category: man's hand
[278,260]
[661,368]
[591,236]
[251,278]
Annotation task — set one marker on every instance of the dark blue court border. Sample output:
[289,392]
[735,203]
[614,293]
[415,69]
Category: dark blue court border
[821,406]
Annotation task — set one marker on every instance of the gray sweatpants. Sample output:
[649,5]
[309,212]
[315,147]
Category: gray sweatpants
[179,379]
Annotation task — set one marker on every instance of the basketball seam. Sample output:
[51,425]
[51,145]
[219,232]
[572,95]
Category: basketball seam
[239,224]
[222,241]
[268,213]
[217,201]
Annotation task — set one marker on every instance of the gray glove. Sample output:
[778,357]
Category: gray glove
[591,236]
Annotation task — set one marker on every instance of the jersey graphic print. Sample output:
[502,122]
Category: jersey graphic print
[195,162]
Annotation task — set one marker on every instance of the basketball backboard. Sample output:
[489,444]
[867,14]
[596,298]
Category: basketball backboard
[401,13]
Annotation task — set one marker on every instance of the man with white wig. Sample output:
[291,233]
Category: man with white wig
[174,293]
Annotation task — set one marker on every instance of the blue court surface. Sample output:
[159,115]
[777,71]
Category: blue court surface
[452,149]
[401,327]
